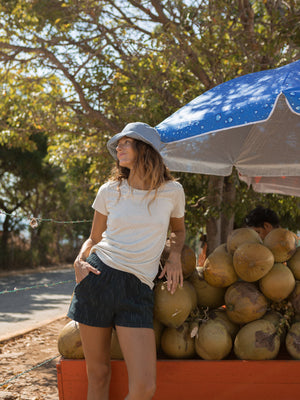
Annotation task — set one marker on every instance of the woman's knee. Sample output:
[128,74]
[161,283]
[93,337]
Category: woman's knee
[99,375]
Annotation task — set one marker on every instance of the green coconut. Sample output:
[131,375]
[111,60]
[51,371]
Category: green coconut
[257,340]
[222,247]
[296,318]
[292,341]
[193,293]
[278,284]
[218,268]
[220,315]
[273,316]
[172,309]
[240,236]
[177,342]
[278,320]
[294,264]
[213,342]
[158,330]
[188,261]
[69,341]
[244,302]
[252,261]
[207,295]
[282,243]
[294,298]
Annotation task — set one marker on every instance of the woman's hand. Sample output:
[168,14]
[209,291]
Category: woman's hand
[82,269]
[173,268]
[173,271]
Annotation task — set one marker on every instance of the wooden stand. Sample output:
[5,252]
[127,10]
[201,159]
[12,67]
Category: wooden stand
[195,379]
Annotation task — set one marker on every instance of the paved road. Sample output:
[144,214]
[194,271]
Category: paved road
[22,310]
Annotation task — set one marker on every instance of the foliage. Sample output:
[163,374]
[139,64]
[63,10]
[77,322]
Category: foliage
[78,71]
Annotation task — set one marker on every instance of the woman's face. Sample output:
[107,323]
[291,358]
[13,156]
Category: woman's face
[125,152]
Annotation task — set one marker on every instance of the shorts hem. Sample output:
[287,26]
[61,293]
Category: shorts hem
[84,322]
[148,326]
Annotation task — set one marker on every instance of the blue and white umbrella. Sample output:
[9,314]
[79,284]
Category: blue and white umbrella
[251,123]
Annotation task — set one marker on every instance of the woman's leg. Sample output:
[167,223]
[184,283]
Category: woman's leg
[139,351]
[96,348]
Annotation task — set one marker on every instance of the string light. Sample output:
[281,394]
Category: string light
[28,370]
[35,221]
[35,286]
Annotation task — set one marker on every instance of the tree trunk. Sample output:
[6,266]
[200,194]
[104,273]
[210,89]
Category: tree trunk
[4,243]
[213,226]
[227,216]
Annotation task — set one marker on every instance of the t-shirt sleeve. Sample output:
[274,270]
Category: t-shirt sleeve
[179,203]
[100,201]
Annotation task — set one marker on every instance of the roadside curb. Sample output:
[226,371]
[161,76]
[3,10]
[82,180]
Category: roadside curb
[16,335]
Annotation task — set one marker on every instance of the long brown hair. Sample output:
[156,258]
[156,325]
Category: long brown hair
[150,165]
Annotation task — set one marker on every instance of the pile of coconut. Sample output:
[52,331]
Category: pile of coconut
[244,303]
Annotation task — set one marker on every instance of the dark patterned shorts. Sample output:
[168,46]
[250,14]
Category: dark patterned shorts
[111,298]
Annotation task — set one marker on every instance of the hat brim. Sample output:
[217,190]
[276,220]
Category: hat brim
[113,142]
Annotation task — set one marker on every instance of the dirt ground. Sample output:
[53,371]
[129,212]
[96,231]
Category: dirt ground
[24,353]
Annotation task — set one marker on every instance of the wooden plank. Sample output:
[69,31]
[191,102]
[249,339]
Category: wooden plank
[192,379]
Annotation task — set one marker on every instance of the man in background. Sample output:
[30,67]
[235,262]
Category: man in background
[262,220]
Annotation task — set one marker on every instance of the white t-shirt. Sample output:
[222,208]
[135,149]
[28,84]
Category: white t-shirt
[136,231]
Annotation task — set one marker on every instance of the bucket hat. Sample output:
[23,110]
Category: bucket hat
[139,131]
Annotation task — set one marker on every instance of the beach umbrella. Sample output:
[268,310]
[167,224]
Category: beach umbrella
[251,123]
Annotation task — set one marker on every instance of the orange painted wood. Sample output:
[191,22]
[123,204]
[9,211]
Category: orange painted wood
[195,379]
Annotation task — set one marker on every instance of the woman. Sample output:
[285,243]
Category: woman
[117,264]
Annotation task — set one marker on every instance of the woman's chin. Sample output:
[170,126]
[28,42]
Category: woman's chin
[124,164]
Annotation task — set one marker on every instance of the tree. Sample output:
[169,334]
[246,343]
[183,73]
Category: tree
[20,171]
[121,61]
[31,186]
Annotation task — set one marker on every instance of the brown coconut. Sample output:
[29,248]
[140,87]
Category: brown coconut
[220,314]
[296,318]
[278,284]
[244,302]
[218,269]
[257,340]
[222,247]
[292,341]
[213,342]
[282,243]
[188,258]
[193,293]
[294,264]
[172,309]
[240,236]
[158,330]
[177,342]
[188,261]
[276,318]
[252,261]
[207,295]
[294,298]
[69,341]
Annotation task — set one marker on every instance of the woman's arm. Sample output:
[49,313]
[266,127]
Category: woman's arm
[173,267]
[82,268]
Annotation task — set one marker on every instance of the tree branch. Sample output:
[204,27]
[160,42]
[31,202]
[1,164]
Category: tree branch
[93,114]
